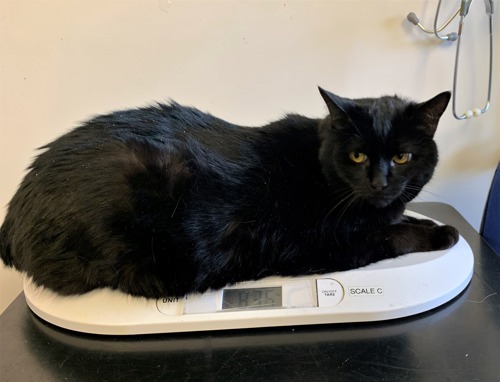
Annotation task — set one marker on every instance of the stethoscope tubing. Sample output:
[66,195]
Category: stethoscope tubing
[475,112]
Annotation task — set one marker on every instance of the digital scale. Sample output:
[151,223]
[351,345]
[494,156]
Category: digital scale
[389,289]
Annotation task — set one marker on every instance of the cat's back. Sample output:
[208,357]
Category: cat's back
[155,124]
[111,167]
[112,146]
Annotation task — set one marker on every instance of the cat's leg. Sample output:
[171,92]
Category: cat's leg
[423,236]
[340,252]
[399,239]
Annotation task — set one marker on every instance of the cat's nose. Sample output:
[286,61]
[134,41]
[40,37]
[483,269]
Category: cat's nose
[379,175]
[378,187]
[378,183]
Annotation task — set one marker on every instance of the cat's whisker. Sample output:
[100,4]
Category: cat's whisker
[424,191]
[348,193]
[354,199]
[419,190]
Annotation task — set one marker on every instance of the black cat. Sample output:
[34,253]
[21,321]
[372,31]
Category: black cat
[167,200]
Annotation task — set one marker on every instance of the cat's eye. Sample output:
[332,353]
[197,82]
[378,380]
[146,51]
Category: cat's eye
[358,158]
[401,158]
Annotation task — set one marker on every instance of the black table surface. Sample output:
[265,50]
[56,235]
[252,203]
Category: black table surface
[459,341]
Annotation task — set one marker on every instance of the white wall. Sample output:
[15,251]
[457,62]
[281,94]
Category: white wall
[246,61]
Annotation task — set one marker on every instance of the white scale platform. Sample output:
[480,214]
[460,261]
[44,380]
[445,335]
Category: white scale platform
[389,289]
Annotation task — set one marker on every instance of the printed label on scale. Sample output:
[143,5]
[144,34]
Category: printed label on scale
[170,306]
[365,291]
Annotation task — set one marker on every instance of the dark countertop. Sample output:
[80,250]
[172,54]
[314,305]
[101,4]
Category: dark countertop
[459,341]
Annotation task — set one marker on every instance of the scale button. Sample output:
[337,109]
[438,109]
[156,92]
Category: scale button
[330,292]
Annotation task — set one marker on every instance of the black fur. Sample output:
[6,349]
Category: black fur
[167,200]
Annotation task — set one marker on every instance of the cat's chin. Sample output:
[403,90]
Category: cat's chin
[380,203]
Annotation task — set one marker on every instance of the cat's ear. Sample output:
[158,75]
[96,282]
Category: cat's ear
[337,106]
[432,110]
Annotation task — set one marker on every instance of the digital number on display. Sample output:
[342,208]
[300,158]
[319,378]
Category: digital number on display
[252,298]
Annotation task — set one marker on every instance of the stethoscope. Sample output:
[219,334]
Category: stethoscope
[462,10]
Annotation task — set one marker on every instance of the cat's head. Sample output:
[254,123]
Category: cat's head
[381,149]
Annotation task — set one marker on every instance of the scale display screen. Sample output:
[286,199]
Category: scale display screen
[252,298]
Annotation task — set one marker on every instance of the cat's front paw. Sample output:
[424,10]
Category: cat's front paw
[444,237]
